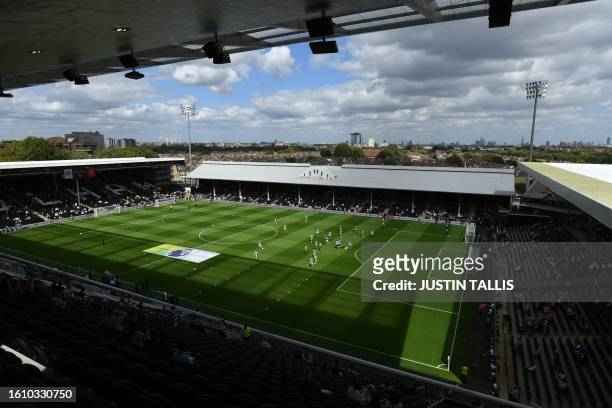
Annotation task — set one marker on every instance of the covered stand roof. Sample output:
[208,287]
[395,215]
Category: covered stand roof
[46,166]
[41,39]
[586,186]
[435,179]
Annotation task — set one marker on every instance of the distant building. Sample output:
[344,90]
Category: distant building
[126,142]
[371,142]
[356,139]
[481,142]
[608,141]
[84,141]
[121,143]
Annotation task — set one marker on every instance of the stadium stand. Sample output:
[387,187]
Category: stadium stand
[121,349]
[419,192]
[549,354]
[37,192]
[534,354]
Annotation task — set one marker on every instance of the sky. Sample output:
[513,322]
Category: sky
[449,82]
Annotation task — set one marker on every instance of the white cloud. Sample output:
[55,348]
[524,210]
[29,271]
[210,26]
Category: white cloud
[277,61]
[219,78]
[444,82]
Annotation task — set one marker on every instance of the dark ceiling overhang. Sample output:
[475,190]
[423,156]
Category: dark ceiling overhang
[40,39]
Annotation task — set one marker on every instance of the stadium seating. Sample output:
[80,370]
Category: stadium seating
[437,207]
[28,200]
[119,353]
[557,353]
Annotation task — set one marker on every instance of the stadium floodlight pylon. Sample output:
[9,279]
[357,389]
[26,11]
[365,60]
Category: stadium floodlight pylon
[188,110]
[535,90]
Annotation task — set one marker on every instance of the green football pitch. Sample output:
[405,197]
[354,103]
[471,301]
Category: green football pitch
[277,290]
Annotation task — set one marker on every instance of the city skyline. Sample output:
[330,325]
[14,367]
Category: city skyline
[450,82]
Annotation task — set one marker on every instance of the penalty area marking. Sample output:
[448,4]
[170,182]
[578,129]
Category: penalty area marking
[443,366]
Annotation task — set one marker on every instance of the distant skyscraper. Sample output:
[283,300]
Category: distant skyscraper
[356,138]
[608,141]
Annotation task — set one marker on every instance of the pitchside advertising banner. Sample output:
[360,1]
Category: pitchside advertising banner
[484,272]
[181,253]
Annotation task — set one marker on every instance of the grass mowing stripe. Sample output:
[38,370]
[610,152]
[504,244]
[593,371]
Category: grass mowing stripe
[277,292]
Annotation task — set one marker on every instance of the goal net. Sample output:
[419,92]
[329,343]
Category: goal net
[470,232]
[165,201]
[102,211]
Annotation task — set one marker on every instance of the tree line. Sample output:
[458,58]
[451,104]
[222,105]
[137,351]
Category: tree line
[34,148]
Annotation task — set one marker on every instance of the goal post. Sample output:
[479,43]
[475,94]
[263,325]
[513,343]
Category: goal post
[165,201]
[108,210]
[470,232]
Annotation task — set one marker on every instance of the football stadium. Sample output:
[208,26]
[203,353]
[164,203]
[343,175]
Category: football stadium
[419,274]
[255,263]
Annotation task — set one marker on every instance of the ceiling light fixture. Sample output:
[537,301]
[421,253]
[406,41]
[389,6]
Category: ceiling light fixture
[130,61]
[5,95]
[134,75]
[73,75]
[320,28]
[2,93]
[214,50]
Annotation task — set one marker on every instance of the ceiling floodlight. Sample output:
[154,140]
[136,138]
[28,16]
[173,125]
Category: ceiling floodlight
[320,28]
[2,93]
[73,75]
[134,75]
[129,61]
[214,51]
[323,47]
[500,12]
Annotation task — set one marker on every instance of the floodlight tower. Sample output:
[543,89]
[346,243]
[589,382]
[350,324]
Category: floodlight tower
[535,90]
[188,109]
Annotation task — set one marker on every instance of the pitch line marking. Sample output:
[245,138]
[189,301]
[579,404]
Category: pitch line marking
[415,305]
[371,256]
[327,338]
